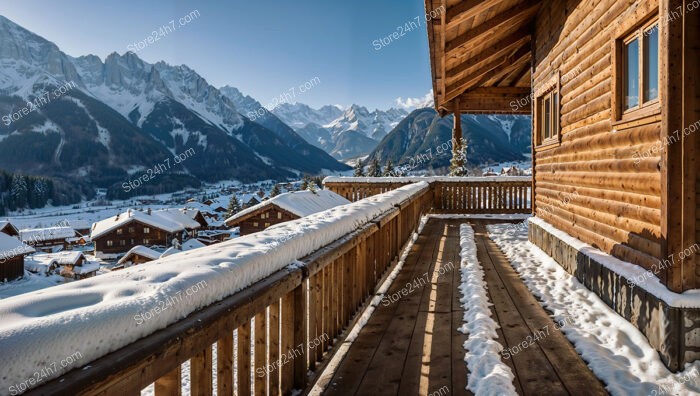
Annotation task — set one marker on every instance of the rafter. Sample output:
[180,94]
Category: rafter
[466,9]
[443,43]
[502,48]
[513,16]
[486,73]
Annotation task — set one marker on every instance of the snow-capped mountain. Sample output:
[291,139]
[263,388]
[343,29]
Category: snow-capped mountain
[298,115]
[344,134]
[104,122]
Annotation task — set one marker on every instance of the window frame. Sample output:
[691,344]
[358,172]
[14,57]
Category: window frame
[644,108]
[552,94]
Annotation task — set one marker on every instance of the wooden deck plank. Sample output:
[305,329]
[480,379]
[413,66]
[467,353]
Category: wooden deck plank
[348,377]
[413,346]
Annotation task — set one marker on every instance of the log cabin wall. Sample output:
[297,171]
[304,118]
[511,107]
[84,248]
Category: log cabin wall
[693,48]
[600,180]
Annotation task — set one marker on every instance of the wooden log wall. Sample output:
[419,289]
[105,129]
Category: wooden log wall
[278,329]
[602,184]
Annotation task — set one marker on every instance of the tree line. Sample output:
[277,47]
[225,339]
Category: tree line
[32,192]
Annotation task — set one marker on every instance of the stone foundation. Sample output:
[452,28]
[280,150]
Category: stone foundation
[673,331]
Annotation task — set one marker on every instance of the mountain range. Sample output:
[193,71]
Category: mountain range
[107,123]
[111,123]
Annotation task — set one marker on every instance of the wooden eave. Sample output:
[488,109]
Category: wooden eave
[480,54]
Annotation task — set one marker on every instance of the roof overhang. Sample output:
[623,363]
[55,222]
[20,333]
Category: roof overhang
[481,54]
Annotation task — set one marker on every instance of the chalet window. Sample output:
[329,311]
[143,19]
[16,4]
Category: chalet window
[637,65]
[279,215]
[146,241]
[131,230]
[548,118]
[122,243]
[110,243]
[255,224]
[267,225]
[119,231]
[146,230]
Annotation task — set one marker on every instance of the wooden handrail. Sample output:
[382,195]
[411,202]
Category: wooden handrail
[322,294]
[473,195]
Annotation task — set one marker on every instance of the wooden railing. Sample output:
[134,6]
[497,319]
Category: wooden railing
[281,326]
[497,195]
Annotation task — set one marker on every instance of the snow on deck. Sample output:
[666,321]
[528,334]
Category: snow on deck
[99,315]
[615,350]
[300,203]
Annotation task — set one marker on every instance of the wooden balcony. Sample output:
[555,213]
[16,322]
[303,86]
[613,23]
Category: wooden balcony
[269,337]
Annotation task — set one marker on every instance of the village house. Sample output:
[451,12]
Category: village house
[120,233]
[137,255]
[50,239]
[7,228]
[612,88]
[12,252]
[284,207]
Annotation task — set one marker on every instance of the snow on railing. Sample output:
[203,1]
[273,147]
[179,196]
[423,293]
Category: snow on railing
[428,179]
[99,315]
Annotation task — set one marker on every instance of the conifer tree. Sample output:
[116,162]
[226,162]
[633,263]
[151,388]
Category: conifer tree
[233,206]
[374,168]
[359,169]
[389,168]
[275,191]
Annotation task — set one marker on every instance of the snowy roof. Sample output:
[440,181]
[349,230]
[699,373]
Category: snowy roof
[39,265]
[87,267]
[189,244]
[12,247]
[62,258]
[141,251]
[33,235]
[300,203]
[77,224]
[169,220]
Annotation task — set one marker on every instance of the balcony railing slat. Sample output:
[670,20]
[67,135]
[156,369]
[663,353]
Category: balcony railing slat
[200,373]
[224,364]
[244,384]
[170,384]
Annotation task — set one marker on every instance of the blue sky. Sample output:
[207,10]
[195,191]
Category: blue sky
[263,47]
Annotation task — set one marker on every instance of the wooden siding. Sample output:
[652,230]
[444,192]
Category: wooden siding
[12,268]
[263,218]
[602,183]
[132,238]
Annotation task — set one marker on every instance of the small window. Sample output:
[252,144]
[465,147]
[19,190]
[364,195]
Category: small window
[638,69]
[255,224]
[146,241]
[122,243]
[146,230]
[548,115]
[110,243]
[267,225]
[279,215]
[119,231]
[131,230]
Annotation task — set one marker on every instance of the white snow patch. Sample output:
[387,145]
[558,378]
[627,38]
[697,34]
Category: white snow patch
[487,372]
[632,273]
[615,350]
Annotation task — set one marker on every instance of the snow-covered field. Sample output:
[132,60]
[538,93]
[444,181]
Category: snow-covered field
[29,283]
[613,348]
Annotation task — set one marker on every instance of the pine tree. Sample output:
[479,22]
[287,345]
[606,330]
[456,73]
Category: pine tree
[275,191]
[304,183]
[359,169]
[458,164]
[374,169]
[19,191]
[389,168]
[233,206]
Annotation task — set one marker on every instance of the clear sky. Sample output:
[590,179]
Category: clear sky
[263,47]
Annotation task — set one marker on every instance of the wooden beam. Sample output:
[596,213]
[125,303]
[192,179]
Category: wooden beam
[441,51]
[513,16]
[504,47]
[485,72]
[498,78]
[457,129]
[466,9]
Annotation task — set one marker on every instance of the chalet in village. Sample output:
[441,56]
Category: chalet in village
[120,233]
[284,207]
[12,253]
[7,228]
[49,239]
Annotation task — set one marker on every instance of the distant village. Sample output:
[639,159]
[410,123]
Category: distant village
[76,249]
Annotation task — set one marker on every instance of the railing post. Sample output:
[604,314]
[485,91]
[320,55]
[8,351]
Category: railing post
[300,336]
